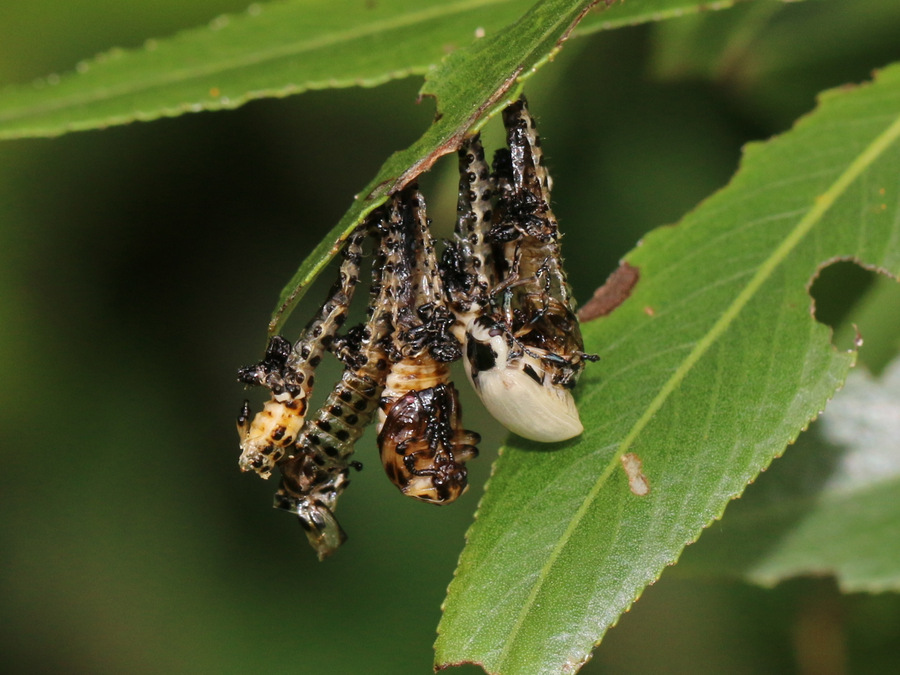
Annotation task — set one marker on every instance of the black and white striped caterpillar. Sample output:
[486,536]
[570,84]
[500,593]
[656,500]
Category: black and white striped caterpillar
[318,471]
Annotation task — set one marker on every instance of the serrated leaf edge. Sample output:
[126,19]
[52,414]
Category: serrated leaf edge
[811,217]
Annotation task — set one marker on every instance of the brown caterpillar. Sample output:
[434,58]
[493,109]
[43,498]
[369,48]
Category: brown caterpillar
[422,443]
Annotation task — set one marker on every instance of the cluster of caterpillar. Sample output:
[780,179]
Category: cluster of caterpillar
[515,309]
[498,299]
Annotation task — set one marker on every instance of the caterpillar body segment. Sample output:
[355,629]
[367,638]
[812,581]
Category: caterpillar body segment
[467,264]
[288,372]
[525,352]
[515,387]
[424,447]
[318,471]
[421,440]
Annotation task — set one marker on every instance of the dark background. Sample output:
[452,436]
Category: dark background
[138,268]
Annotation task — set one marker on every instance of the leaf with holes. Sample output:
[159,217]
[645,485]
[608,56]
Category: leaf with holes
[710,368]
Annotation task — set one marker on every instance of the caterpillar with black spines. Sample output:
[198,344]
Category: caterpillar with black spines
[423,445]
[524,352]
[318,471]
[467,263]
[289,373]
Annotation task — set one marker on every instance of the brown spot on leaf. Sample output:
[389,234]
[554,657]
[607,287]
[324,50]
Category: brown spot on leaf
[611,294]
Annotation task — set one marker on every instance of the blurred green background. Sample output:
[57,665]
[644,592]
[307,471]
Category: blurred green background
[138,267]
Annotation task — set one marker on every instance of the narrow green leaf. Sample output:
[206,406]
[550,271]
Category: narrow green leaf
[272,50]
[832,506]
[710,368]
[470,86]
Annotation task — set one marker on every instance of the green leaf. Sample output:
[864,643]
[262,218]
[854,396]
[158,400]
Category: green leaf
[470,86]
[710,368]
[467,86]
[272,50]
[832,506]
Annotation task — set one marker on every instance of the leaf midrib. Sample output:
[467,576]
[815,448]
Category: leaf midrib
[252,58]
[821,205]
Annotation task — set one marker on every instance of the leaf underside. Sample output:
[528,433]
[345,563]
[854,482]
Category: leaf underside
[711,367]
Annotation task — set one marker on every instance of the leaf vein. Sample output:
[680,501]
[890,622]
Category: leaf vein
[790,242]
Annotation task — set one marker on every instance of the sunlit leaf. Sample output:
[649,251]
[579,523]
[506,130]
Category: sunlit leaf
[273,50]
[710,368]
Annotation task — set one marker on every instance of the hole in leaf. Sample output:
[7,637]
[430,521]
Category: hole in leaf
[835,291]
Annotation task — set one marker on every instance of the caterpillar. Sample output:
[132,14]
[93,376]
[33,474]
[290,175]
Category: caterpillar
[318,471]
[422,443]
[467,263]
[524,351]
[288,371]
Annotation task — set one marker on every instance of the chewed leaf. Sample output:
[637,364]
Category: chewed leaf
[708,370]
